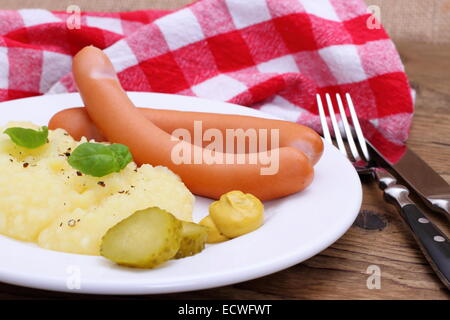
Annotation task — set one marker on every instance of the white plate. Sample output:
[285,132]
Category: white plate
[296,227]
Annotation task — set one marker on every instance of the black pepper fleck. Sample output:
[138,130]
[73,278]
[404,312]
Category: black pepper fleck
[101,184]
[79,173]
[26,164]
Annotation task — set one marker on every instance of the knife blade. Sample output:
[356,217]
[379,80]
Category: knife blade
[421,178]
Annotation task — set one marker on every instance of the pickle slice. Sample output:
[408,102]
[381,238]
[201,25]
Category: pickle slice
[193,239]
[145,239]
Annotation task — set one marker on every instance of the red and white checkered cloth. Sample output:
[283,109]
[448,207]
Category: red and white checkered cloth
[274,55]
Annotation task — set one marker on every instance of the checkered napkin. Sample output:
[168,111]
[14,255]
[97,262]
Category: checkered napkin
[274,55]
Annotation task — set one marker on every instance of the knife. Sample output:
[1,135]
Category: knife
[434,244]
[421,178]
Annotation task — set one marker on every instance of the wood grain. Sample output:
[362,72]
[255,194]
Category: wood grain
[339,272]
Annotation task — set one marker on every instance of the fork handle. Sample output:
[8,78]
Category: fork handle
[434,244]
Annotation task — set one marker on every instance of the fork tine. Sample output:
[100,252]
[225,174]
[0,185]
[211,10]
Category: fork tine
[323,120]
[359,133]
[337,131]
[348,131]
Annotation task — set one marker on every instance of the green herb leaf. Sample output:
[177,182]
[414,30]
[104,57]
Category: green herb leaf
[122,153]
[28,138]
[99,160]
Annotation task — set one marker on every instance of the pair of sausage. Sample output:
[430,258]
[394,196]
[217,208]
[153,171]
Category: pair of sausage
[110,115]
[77,123]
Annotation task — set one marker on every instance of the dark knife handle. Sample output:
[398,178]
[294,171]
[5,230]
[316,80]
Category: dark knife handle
[433,242]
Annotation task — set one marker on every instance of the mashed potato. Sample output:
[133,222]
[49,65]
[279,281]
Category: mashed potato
[44,200]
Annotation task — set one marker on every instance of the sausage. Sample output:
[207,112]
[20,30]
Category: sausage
[121,122]
[77,123]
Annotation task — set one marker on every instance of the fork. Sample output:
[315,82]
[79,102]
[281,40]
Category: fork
[433,242]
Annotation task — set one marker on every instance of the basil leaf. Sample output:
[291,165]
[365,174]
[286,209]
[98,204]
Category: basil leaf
[122,153]
[99,160]
[28,138]
[93,159]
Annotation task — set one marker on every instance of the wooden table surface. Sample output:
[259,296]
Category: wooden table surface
[340,272]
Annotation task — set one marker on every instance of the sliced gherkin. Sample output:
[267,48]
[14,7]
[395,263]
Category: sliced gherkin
[145,239]
[193,239]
